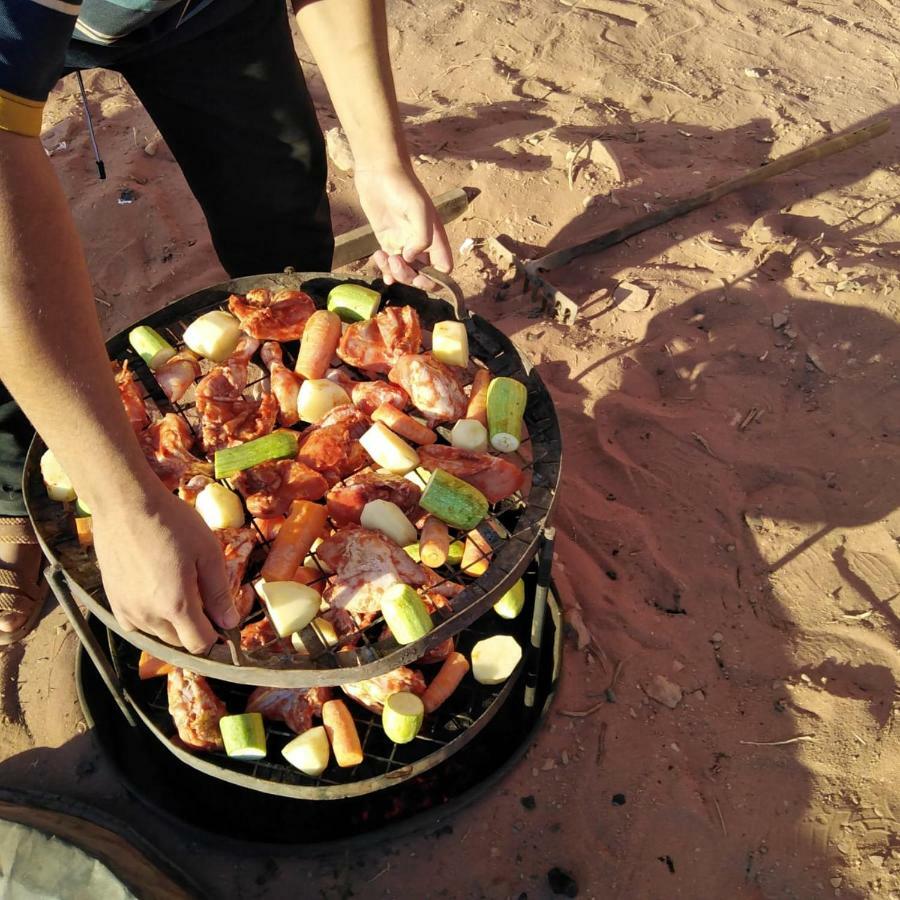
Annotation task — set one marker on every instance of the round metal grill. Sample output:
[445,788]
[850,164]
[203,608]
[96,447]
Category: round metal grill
[513,530]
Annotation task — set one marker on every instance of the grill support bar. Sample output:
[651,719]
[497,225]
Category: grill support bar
[60,587]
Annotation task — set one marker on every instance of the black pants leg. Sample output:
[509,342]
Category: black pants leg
[234,109]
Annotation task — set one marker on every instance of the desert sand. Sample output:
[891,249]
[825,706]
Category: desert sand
[728,524]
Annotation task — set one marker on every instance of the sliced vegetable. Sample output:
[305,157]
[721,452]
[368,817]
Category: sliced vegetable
[450,343]
[506,399]
[510,604]
[390,520]
[278,445]
[469,434]
[57,482]
[495,658]
[455,554]
[342,734]
[150,346]
[317,397]
[405,613]
[453,501]
[323,628]
[219,507]
[446,681]
[244,735]
[402,716]
[289,605]
[213,335]
[84,530]
[434,542]
[304,523]
[404,425]
[150,667]
[353,302]
[475,559]
[478,397]
[309,752]
[418,476]
[81,508]
[320,339]
[389,450]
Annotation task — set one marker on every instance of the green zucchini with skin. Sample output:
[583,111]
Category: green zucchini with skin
[150,346]
[506,400]
[405,614]
[278,445]
[244,735]
[402,716]
[454,555]
[453,500]
[353,302]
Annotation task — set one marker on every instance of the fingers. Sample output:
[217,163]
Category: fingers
[121,617]
[216,591]
[439,253]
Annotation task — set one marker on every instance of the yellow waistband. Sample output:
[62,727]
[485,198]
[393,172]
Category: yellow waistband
[20,115]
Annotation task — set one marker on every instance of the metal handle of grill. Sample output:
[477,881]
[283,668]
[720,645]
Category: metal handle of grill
[451,285]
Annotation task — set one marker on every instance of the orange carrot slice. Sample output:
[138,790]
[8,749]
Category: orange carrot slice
[304,523]
[478,398]
[342,734]
[149,666]
[268,528]
[404,425]
[434,542]
[446,681]
[320,339]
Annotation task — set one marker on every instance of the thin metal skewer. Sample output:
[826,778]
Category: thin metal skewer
[101,169]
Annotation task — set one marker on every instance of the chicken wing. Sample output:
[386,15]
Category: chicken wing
[496,478]
[369,395]
[195,709]
[285,383]
[373,692]
[366,564]
[272,486]
[376,344]
[434,387]
[132,396]
[281,316]
[332,447]
[346,501]
[296,707]
[166,445]
[178,374]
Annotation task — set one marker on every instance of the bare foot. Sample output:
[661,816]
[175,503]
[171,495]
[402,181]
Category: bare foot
[24,559]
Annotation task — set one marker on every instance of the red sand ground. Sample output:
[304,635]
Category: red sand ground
[749,560]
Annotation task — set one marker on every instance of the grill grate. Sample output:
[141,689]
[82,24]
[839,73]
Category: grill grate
[444,732]
[513,531]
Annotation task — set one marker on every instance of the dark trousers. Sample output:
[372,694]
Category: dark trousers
[234,109]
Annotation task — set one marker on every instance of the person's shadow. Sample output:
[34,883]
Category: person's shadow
[733,468]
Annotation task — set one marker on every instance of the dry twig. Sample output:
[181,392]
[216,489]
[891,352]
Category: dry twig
[581,713]
[601,744]
[574,160]
[793,740]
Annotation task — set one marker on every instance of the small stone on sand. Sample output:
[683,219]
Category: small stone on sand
[338,148]
[631,297]
[664,691]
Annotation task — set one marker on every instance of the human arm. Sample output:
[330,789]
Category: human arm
[348,39]
[159,562]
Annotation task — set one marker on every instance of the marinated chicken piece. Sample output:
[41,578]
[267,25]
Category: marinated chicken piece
[373,692]
[434,388]
[369,395]
[272,486]
[345,626]
[440,590]
[262,634]
[244,600]
[296,707]
[346,501]
[132,396]
[366,564]
[178,374]
[166,445]
[496,478]
[285,383]
[237,545]
[195,709]
[435,654]
[343,376]
[281,316]
[269,528]
[378,343]
[226,416]
[332,447]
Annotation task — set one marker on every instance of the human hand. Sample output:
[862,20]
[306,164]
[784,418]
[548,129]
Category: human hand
[164,572]
[405,223]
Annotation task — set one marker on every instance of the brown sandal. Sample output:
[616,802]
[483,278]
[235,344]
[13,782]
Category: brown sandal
[17,597]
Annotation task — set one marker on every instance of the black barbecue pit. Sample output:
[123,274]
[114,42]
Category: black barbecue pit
[487,726]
